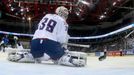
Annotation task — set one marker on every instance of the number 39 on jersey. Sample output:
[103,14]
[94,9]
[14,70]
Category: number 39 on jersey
[47,24]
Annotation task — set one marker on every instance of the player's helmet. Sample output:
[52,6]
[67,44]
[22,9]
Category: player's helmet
[15,37]
[62,11]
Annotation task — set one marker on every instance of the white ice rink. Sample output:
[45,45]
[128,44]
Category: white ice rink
[111,66]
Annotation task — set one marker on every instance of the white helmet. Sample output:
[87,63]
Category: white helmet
[62,11]
[15,37]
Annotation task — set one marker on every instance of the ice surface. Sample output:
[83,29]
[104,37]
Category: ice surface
[111,66]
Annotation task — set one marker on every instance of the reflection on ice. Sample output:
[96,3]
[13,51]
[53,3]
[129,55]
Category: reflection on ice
[110,66]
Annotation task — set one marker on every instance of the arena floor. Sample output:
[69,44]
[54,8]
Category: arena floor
[111,66]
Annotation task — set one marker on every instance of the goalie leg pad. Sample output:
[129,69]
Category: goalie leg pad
[77,59]
[19,56]
[45,57]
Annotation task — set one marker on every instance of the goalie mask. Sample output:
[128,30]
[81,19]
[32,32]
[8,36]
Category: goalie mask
[62,11]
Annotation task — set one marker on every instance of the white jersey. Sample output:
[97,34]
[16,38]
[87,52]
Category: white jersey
[52,27]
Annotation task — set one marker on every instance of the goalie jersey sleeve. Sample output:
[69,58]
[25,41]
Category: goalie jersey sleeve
[52,27]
